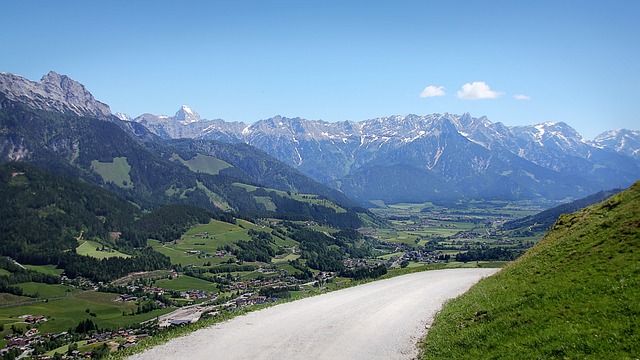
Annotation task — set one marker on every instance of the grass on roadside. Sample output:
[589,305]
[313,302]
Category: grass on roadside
[573,295]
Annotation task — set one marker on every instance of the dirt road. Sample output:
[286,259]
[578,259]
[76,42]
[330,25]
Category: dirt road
[379,320]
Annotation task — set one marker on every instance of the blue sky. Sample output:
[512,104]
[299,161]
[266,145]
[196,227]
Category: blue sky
[571,61]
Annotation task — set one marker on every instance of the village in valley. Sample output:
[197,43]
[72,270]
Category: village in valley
[210,279]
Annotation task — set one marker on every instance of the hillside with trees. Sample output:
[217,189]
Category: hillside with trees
[143,170]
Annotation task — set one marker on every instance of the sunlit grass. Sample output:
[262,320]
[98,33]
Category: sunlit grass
[573,295]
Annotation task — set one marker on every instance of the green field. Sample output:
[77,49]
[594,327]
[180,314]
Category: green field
[266,201]
[204,163]
[179,256]
[89,248]
[286,258]
[251,188]
[146,275]
[66,313]
[46,290]
[6,299]
[316,200]
[285,242]
[308,198]
[215,199]
[288,268]
[219,234]
[65,348]
[45,269]
[116,172]
[389,256]
[185,282]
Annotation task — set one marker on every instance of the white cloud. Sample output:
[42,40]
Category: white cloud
[477,90]
[431,91]
[521,97]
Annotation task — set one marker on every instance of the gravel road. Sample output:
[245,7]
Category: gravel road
[379,320]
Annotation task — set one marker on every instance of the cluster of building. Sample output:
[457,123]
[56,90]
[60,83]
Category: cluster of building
[421,255]
[126,338]
[354,263]
[198,294]
[279,279]
[248,301]
[26,343]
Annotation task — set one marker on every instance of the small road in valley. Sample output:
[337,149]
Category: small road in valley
[380,320]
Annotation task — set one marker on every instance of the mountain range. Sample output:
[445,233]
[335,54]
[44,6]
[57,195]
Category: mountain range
[410,158]
[56,125]
[430,157]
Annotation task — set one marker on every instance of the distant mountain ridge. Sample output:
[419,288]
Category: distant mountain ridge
[444,154]
[125,157]
[397,158]
[623,141]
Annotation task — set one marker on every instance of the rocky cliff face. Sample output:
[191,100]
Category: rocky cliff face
[54,92]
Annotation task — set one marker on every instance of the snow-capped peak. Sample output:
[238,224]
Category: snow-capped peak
[541,129]
[186,116]
[621,140]
[187,109]
[122,116]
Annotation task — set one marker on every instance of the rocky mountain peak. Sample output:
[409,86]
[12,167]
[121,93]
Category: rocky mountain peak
[622,141]
[54,92]
[186,116]
[123,116]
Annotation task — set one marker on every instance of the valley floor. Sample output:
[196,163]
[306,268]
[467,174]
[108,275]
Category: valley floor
[378,320]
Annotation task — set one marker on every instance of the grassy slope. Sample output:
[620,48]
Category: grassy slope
[574,295]
[46,290]
[204,163]
[185,282]
[220,234]
[118,171]
[45,269]
[66,313]
[89,248]
[308,198]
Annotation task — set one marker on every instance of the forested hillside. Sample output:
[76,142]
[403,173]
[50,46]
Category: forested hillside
[148,172]
[44,217]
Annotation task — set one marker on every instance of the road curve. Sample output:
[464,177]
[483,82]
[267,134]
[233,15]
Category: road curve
[379,320]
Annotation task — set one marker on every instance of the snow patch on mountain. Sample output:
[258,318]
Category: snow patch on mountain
[186,116]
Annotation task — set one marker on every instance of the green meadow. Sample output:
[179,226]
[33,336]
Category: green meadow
[285,258]
[67,312]
[7,299]
[185,282]
[90,248]
[44,291]
[45,269]
[308,198]
[204,163]
[218,234]
[116,171]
